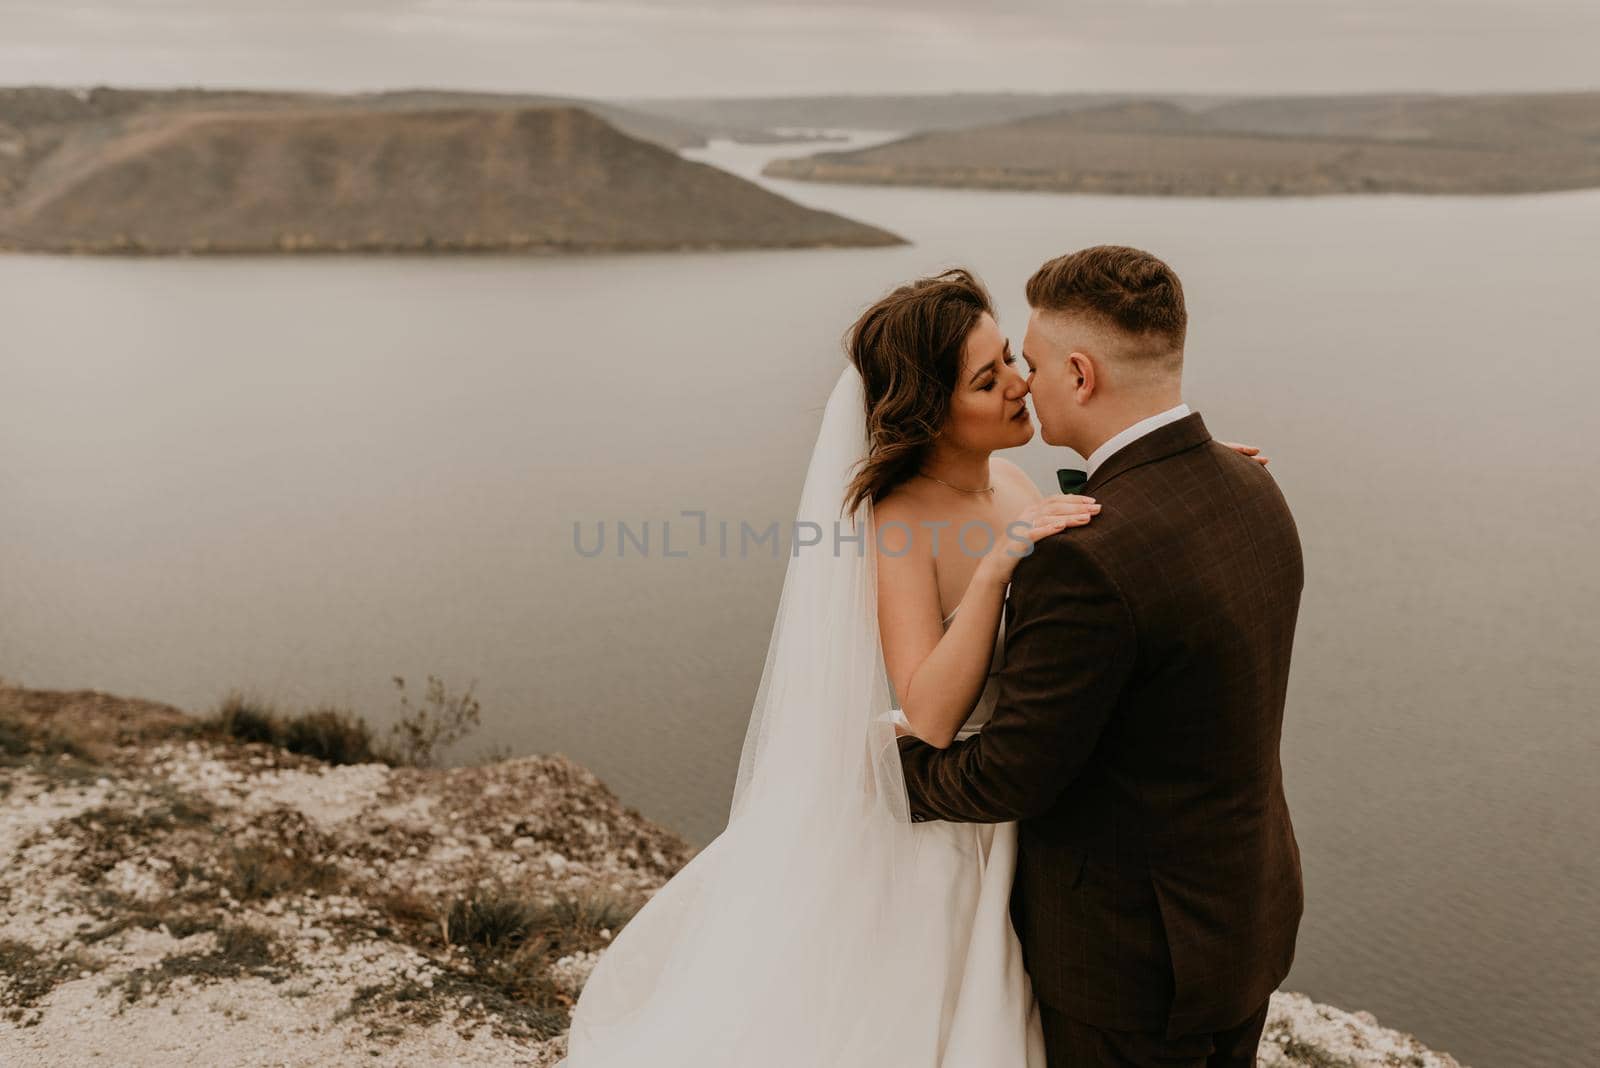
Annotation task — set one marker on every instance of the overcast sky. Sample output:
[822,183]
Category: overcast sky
[740,47]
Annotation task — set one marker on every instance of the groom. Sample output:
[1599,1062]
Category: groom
[1158,889]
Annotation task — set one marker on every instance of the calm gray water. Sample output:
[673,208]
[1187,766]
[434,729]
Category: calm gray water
[303,476]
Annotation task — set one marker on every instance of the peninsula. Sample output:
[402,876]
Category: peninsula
[199,174]
[1268,146]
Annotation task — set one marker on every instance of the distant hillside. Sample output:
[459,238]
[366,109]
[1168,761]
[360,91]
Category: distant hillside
[35,109]
[175,179]
[1254,147]
[908,112]
[36,120]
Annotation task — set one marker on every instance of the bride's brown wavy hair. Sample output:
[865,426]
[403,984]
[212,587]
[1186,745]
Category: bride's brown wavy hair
[908,348]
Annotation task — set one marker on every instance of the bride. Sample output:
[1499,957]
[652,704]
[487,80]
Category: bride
[823,928]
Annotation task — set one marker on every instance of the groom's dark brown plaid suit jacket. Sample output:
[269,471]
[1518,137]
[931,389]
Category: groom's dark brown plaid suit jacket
[1136,742]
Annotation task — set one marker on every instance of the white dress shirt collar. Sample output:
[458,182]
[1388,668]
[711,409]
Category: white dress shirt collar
[1129,435]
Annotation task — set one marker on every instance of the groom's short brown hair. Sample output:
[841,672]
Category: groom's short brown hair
[1124,287]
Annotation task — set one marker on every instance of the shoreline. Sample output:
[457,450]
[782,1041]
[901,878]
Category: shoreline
[1257,188]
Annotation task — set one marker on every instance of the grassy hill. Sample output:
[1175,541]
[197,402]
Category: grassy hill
[1252,147]
[407,176]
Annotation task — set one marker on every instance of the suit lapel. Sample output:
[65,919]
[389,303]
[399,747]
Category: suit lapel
[1162,442]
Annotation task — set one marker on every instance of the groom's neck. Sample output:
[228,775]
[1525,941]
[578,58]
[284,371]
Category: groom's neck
[1134,410]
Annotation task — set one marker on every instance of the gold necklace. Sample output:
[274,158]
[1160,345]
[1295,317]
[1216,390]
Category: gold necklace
[959,489]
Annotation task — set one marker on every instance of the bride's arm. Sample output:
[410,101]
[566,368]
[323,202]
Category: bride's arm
[939,674]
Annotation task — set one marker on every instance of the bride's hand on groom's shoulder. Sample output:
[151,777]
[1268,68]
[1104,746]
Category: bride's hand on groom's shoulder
[1247,450]
[1039,520]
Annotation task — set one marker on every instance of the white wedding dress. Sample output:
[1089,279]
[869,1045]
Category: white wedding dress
[985,981]
[823,928]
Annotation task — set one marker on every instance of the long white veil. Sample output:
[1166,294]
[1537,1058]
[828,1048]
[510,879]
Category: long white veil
[823,696]
[790,939]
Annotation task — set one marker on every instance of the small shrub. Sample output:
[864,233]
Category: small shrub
[243,946]
[492,920]
[332,735]
[337,736]
[247,719]
[422,734]
[506,968]
[574,924]
[498,918]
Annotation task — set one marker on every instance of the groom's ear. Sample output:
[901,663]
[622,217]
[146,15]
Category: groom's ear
[1081,369]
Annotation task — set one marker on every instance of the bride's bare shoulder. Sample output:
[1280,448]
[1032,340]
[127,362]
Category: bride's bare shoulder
[899,516]
[902,502]
[908,586]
